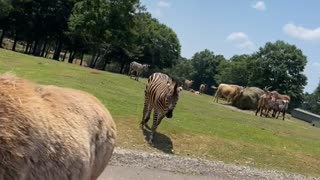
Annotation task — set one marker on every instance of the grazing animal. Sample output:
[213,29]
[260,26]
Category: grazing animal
[273,101]
[203,88]
[281,107]
[138,69]
[180,89]
[263,103]
[51,133]
[228,91]
[187,84]
[280,96]
[279,104]
[161,95]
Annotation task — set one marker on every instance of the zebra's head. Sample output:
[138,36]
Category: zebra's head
[172,97]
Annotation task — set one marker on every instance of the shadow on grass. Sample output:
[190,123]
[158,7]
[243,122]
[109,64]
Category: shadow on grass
[160,141]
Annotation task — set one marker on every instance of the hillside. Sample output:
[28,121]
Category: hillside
[199,128]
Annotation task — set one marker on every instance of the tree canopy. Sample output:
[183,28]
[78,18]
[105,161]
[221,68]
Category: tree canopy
[122,31]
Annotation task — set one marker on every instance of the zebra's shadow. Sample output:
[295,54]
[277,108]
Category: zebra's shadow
[160,141]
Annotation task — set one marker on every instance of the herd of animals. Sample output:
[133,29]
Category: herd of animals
[268,101]
[49,132]
[265,102]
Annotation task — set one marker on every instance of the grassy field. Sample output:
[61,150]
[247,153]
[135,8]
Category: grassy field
[200,128]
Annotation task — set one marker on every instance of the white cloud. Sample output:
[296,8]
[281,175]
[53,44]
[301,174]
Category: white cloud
[163,4]
[260,5]
[237,36]
[301,32]
[241,40]
[160,7]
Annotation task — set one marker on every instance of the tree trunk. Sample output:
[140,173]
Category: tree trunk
[64,55]
[2,37]
[82,55]
[44,47]
[15,42]
[27,47]
[35,47]
[122,67]
[94,60]
[47,52]
[71,58]
[57,51]
[30,48]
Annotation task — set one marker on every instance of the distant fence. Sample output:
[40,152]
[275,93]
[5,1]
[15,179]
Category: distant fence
[309,117]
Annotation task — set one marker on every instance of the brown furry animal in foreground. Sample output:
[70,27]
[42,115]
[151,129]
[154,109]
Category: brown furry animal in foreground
[52,133]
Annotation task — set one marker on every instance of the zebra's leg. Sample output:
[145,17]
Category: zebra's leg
[157,117]
[146,109]
[146,116]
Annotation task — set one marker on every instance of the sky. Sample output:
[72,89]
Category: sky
[230,27]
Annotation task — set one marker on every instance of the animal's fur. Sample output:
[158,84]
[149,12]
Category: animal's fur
[187,84]
[228,91]
[263,103]
[138,69]
[280,96]
[273,101]
[51,133]
[203,88]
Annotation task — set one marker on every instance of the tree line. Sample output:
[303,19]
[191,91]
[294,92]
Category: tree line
[118,32]
[278,65]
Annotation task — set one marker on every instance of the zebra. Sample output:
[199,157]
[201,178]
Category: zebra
[138,68]
[161,94]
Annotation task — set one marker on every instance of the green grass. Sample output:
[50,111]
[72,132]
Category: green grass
[200,128]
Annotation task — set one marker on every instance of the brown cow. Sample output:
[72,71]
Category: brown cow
[50,133]
[228,91]
[203,88]
[187,84]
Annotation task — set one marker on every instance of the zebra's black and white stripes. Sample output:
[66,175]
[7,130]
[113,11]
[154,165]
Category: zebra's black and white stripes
[161,95]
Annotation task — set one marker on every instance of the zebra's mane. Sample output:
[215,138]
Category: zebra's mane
[175,91]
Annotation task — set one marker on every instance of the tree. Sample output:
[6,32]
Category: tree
[236,71]
[280,65]
[182,70]
[121,45]
[5,10]
[205,65]
[159,44]
[88,25]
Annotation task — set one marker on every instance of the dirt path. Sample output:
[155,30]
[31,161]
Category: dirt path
[134,173]
[128,164]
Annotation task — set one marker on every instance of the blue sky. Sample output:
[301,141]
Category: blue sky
[230,27]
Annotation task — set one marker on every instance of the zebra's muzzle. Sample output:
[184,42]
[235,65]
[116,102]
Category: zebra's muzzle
[169,114]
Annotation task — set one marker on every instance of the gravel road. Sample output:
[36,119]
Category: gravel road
[134,165]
